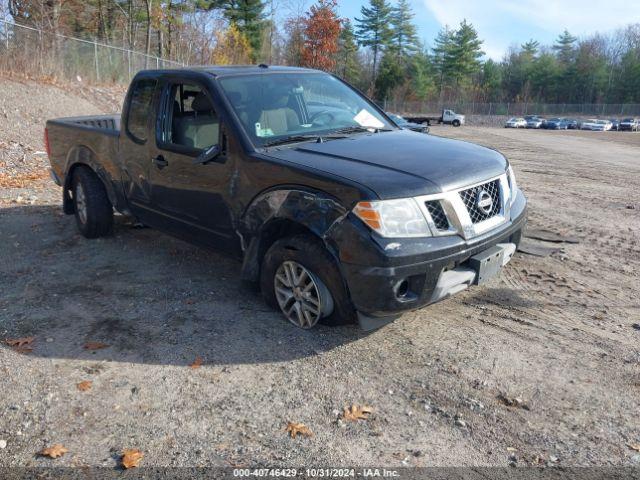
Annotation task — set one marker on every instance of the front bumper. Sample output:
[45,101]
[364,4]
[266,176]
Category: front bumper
[416,272]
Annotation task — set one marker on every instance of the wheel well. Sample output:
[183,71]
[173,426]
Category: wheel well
[67,201]
[262,242]
[275,230]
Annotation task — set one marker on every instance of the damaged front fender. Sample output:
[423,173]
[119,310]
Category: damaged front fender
[286,211]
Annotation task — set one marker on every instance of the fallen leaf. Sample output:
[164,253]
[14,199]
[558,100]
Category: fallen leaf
[356,412]
[516,402]
[95,346]
[54,452]
[294,429]
[197,363]
[131,458]
[24,350]
[634,446]
[538,460]
[19,342]
[23,181]
[84,385]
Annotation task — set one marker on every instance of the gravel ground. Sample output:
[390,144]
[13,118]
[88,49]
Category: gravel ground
[540,367]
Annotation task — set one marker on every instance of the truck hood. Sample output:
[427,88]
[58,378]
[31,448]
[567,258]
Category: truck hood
[400,163]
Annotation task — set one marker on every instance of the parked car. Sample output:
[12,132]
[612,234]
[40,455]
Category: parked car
[630,124]
[334,211]
[556,124]
[571,124]
[588,124]
[515,122]
[534,121]
[407,125]
[615,124]
[601,126]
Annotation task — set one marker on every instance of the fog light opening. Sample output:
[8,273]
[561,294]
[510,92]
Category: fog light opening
[402,289]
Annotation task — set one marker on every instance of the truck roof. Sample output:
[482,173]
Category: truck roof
[229,70]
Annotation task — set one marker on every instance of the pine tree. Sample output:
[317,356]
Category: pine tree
[422,74]
[442,55]
[249,16]
[530,49]
[564,47]
[491,81]
[404,39]
[390,76]
[348,67]
[373,29]
[566,73]
[465,53]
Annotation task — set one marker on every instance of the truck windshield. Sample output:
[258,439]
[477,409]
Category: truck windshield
[277,106]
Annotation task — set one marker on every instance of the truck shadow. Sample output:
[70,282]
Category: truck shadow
[152,299]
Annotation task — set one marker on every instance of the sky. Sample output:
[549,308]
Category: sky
[502,23]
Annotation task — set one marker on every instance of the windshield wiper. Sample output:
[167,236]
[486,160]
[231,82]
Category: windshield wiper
[358,129]
[302,138]
[290,139]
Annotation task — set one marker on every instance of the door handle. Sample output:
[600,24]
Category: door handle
[160,162]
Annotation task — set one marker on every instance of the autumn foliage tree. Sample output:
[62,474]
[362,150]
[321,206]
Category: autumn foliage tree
[322,31]
[232,47]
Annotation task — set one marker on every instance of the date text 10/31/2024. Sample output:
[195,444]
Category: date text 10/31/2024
[317,473]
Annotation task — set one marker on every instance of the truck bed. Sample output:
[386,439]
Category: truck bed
[94,136]
[420,119]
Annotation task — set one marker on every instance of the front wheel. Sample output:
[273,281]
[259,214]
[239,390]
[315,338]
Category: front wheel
[299,277]
[456,123]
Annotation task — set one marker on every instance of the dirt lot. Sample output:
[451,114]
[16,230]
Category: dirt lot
[561,334]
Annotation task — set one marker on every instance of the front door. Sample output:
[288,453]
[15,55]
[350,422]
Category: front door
[188,194]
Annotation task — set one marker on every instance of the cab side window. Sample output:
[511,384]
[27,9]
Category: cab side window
[140,108]
[191,121]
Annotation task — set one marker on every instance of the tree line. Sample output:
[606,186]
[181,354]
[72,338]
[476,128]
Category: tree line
[379,51]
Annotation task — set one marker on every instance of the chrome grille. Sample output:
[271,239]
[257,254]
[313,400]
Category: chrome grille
[437,214]
[470,199]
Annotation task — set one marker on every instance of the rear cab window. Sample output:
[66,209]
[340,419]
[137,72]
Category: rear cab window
[189,123]
[140,108]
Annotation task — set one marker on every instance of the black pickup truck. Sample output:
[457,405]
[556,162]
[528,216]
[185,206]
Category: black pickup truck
[332,209]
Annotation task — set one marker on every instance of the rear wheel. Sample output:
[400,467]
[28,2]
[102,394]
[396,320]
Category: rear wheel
[93,210]
[299,277]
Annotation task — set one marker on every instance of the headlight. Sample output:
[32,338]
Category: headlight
[512,184]
[393,218]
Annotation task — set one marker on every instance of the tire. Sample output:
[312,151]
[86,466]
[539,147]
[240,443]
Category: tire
[93,210]
[456,123]
[308,252]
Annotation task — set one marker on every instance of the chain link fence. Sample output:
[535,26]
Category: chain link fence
[515,109]
[39,53]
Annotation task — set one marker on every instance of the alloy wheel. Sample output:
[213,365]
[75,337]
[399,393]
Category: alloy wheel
[301,295]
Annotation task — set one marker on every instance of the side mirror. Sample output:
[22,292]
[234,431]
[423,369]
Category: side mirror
[209,155]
